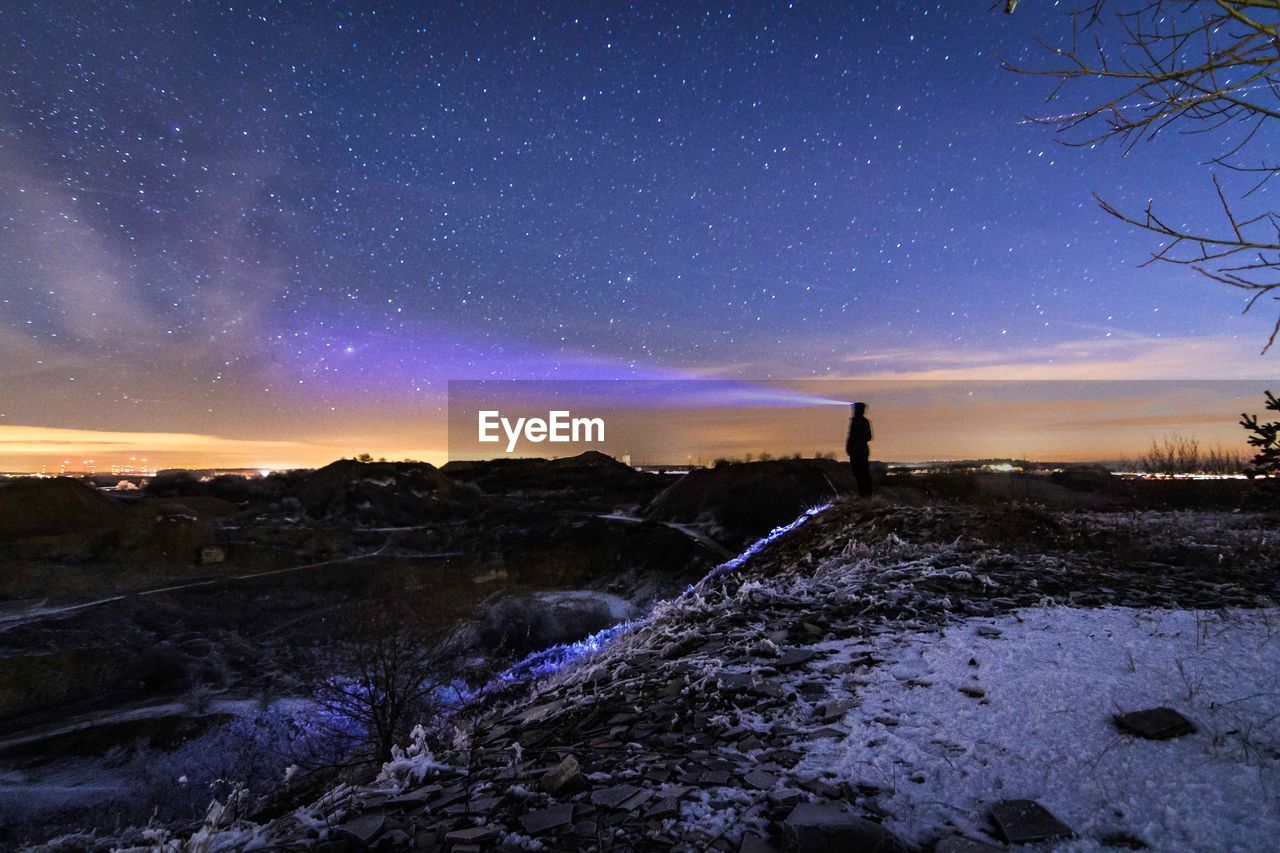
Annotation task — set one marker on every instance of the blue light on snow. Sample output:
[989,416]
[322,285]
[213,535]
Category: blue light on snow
[764,541]
[543,663]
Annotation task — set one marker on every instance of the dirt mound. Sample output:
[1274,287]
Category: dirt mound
[748,499]
[591,470]
[382,493]
[231,488]
[53,507]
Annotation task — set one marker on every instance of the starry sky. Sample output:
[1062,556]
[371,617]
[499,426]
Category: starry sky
[269,232]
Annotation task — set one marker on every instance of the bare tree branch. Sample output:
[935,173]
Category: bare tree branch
[1197,65]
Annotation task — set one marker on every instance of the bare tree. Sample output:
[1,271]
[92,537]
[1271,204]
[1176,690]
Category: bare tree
[1201,66]
[1175,455]
[1178,455]
[385,684]
[1222,460]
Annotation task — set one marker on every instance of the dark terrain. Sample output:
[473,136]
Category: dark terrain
[134,622]
[140,626]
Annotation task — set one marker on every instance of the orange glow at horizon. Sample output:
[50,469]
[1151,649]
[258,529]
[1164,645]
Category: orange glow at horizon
[914,421]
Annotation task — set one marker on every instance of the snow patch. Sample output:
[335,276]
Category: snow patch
[1037,724]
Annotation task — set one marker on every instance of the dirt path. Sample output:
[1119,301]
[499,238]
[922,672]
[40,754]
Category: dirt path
[12,619]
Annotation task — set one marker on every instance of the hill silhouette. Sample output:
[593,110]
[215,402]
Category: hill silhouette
[748,499]
[592,469]
[34,506]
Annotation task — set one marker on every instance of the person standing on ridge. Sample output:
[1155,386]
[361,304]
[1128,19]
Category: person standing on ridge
[858,446]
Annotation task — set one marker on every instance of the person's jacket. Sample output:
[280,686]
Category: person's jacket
[859,436]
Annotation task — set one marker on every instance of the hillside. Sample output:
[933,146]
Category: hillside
[743,500]
[49,507]
[880,677]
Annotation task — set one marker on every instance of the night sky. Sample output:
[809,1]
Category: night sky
[292,222]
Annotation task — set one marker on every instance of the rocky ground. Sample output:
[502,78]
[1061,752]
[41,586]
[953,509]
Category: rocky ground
[834,688]
[139,627]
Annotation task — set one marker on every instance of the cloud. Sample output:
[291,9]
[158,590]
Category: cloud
[79,282]
[188,286]
[16,441]
[1124,356]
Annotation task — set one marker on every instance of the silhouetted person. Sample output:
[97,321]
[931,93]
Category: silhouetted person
[858,446]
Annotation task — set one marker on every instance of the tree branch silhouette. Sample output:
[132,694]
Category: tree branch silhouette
[1197,66]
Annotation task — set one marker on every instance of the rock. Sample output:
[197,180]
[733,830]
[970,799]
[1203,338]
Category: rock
[960,844]
[212,554]
[786,797]
[448,797]
[752,843]
[426,840]
[396,839]
[548,819]
[482,805]
[823,788]
[760,779]
[1025,821]
[472,835]
[636,800]
[829,712]
[771,690]
[668,807]
[784,757]
[792,658]
[539,713]
[657,774]
[612,798]
[364,828]
[565,778]
[974,692]
[828,732]
[735,682]
[1155,724]
[415,797]
[822,827]
[675,792]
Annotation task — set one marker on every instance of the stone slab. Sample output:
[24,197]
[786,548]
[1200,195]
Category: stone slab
[612,798]
[548,819]
[960,844]
[1155,724]
[1025,821]
[831,826]
[472,835]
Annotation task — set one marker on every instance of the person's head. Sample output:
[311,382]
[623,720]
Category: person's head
[859,409]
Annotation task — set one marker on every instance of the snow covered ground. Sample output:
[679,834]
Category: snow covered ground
[916,665]
[1045,683]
